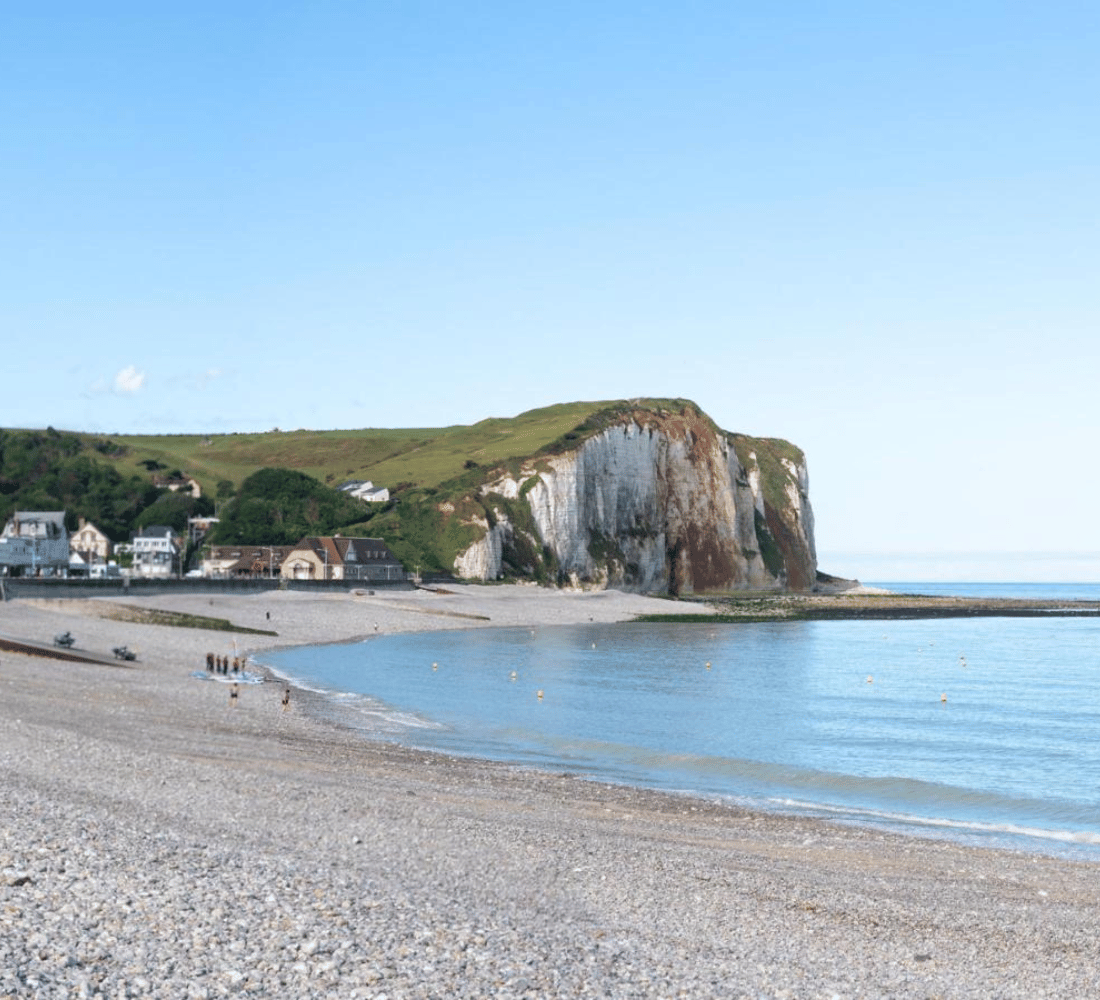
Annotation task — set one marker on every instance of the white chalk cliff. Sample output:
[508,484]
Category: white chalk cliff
[656,501]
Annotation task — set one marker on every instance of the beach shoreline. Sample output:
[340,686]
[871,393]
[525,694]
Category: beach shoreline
[150,825]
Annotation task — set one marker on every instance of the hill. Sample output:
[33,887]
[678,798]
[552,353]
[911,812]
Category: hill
[110,478]
[422,456]
[450,492]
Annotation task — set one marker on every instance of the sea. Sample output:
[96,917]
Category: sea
[979,730]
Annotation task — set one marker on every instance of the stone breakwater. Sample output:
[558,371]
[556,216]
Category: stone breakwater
[157,842]
[869,604]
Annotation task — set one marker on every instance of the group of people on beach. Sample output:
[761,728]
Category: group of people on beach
[220,664]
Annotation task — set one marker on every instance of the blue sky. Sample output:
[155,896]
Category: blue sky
[869,228]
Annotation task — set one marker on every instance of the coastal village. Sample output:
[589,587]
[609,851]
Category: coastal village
[37,544]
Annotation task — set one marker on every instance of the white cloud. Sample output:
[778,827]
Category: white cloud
[129,380]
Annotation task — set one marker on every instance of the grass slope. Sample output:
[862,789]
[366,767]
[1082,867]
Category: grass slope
[421,457]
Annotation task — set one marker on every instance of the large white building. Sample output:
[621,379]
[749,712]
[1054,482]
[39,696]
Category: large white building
[156,552]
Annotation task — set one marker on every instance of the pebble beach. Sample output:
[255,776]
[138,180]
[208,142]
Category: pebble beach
[158,840]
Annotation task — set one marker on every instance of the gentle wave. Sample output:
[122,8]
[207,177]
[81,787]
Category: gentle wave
[362,712]
[914,823]
[910,797]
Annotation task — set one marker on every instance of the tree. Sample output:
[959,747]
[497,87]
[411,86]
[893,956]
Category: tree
[280,507]
[173,509]
[47,471]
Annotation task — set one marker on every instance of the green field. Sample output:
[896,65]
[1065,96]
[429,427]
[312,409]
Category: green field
[388,457]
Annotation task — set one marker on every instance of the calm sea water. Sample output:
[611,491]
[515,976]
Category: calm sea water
[1048,591]
[982,730]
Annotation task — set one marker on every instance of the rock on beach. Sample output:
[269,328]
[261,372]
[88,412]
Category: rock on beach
[155,842]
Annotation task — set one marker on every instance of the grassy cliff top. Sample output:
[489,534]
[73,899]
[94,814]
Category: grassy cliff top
[423,457]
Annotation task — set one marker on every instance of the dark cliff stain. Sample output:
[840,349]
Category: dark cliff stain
[697,559]
[672,557]
[799,569]
[711,563]
[767,547]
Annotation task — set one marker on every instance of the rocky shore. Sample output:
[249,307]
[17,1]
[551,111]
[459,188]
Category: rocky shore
[859,602]
[158,841]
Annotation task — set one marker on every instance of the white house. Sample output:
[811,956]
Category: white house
[156,552]
[364,489]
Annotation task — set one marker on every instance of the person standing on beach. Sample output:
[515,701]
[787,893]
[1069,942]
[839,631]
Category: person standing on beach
[286,699]
[233,691]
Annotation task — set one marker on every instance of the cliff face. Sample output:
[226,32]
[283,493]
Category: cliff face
[656,501]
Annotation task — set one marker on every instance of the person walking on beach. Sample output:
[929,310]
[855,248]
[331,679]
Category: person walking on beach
[286,699]
[233,691]
[209,663]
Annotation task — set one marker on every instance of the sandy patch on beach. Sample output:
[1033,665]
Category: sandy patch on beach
[155,841]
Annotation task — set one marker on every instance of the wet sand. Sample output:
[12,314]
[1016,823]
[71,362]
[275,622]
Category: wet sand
[157,841]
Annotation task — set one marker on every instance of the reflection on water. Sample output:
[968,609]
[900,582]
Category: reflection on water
[984,726]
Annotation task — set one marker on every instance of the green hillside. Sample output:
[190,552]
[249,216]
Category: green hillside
[433,475]
[109,479]
[389,457]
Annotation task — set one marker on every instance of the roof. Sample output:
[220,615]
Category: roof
[248,551]
[54,520]
[335,549]
[57,516]
[363,548]
[156,531]
[246,558]
[258,560]
[173,480]
[322,547]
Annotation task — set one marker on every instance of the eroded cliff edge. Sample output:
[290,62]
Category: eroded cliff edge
[658,500]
